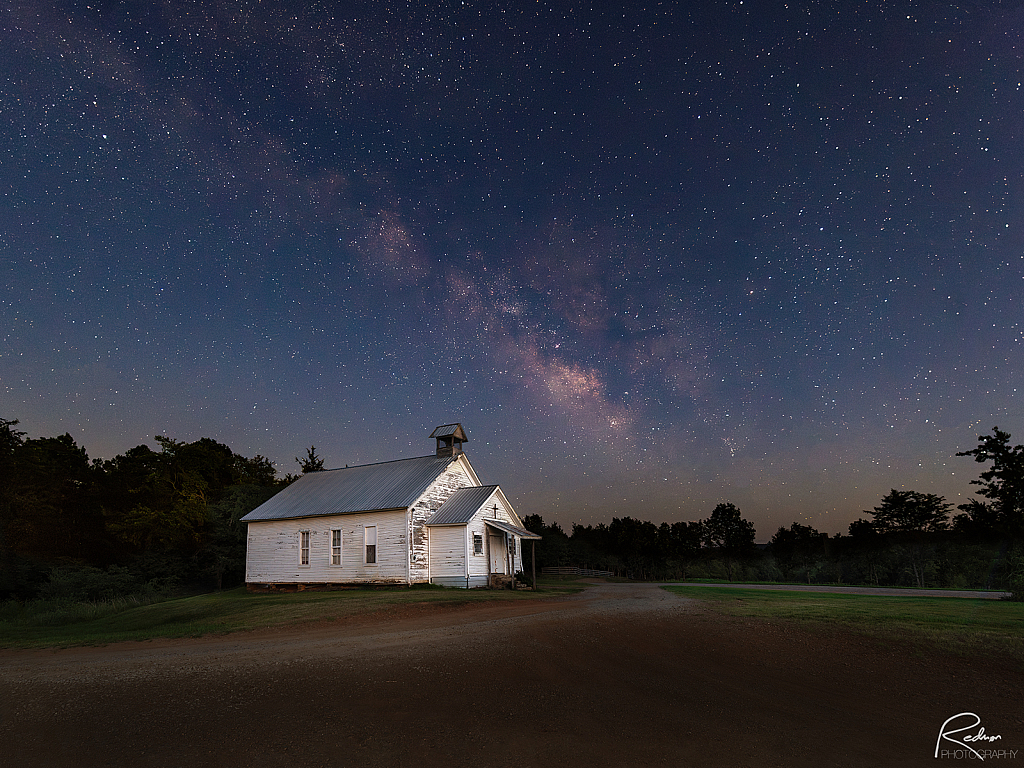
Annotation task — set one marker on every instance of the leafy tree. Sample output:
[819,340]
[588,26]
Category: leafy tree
[554,549]
[204,460]
[259,470]
[684,544]
[55,512]
[162,501]
[1003,482]
[534,524]
[910,511]
[866,544]
[10,442]
[798,548]
[862,530]
[222,558]
[908,517]
[728,532]
[312,462]
[977,520]
[637,543]
[591,547]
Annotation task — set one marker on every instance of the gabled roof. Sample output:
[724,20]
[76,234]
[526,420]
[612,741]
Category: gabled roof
[515,530]
[388,485]
[450,429]
[460,507]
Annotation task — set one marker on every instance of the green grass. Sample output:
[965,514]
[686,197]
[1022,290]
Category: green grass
[38,625]
[962,626]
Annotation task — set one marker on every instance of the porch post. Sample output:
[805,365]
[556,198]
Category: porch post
[510,557]
[533,561]
[487,541]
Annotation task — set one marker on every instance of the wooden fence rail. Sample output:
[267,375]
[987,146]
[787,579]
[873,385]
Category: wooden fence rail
[573,571]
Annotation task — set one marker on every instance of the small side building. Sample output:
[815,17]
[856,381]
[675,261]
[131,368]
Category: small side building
[424,519]
[475,536]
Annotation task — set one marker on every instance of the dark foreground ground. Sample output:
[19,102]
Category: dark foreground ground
[624,675]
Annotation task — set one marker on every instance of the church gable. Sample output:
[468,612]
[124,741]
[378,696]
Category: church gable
[459,474]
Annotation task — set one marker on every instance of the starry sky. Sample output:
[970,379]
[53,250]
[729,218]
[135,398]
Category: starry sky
[652,257]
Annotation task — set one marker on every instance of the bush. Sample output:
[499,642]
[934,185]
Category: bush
[85,584]
[75,593]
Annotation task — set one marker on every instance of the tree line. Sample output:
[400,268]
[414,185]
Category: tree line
[910,539]
[168,519]
[146,520]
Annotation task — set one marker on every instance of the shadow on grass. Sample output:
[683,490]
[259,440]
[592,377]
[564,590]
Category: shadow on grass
[39,625]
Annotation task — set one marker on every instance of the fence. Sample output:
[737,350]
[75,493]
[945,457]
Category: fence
[573,571]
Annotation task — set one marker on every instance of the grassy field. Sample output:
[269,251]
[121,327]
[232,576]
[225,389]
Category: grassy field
[39,625]
[955,625]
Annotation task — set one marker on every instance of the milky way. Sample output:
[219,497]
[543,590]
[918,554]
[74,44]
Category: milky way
[651,258]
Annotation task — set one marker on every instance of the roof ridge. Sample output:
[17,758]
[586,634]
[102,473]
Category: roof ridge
[389,461]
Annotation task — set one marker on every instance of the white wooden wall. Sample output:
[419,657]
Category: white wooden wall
[272,550]
[453,478]
[448,553]
[452,546]
[506,515]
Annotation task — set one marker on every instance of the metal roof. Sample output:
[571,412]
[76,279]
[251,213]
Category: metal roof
[460,507]
[515,530]
[450,429]
[388,485]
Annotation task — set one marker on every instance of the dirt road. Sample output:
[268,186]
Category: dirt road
[970,594]
[623,675]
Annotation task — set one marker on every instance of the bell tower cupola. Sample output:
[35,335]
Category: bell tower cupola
[450,438]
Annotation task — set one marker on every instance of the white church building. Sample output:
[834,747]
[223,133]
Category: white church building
[407,521]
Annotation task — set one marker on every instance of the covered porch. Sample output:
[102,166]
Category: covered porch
[505,553]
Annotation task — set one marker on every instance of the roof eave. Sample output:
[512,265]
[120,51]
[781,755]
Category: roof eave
[324,514]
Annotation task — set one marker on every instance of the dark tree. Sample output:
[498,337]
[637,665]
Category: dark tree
[554,548]
[10,442]
[312,462]
[637,543]
[164,504]
[259,470]
[1003,482]
[729,533]
[910,511]
[55,510]
[909,519]
[727,530]
[222,558]
[866,544]
[798,548]
[978,520]
[863,531]
[684,544]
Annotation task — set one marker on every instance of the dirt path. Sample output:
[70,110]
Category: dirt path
[839,590]
[623,675]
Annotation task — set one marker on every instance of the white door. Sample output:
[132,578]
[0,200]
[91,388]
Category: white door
[497,552]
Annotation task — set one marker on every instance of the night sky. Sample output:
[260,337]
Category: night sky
[651,257]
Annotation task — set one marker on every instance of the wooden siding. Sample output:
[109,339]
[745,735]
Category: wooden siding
[504,514]
[448,553]
[454,477]
[272,550]
[445,541]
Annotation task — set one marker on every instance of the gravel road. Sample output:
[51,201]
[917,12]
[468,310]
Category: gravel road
[839,590]
[621,675]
